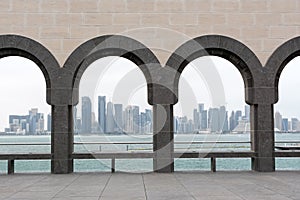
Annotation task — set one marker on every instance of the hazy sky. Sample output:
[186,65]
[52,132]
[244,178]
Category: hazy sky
[23,86]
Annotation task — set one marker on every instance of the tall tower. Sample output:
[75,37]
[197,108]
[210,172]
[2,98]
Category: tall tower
[285,124]
[149,120]
[200,107]
[232,123]
[247,112]
[128,119]
[136,119]
[102,113]
[32,121]
[118,117]
[86,115]
[278,121]
[203,119]
[223,122]
[196,119]
[213,119]
[110,122]
[237,117]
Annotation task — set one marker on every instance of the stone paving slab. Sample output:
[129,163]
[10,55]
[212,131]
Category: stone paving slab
[152,186]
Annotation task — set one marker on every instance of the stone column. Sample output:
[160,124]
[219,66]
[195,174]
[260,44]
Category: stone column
[62,139]
[163,144]
[262,137]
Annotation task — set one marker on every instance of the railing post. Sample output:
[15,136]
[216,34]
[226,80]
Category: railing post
[62,139]
[11,166]
[113,165]
[213,164]
[262,137]
[163,144]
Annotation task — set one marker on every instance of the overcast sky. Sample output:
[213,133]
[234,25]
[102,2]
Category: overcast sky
[23,86]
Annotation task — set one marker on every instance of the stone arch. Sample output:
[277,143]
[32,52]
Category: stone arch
[111,45]
[16,45]
[278,60]
[225,47]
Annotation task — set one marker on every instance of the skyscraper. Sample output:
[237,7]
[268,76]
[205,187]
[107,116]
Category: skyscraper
[247,112]
[40,123]
[149,120]
[200,107]
[128,120]
[200,120]
[204,121]
[213,119]
[118,118]
[285,124]
[222,119]
[278,121]
[86,115]
[196,119]
[32,121]
[237,117]
[294,124]
[110,122]
[232,123]
[143,123]
[136,119]
[102,113]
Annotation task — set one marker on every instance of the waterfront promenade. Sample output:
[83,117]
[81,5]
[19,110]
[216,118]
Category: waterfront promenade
[181,186]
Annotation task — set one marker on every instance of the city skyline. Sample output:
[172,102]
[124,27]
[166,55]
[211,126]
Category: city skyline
[28,84]
[132,120]
[112,118]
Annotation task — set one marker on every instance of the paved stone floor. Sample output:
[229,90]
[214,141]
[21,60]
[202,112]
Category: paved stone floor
[183,186]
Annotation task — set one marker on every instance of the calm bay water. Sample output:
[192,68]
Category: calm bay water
[142,165]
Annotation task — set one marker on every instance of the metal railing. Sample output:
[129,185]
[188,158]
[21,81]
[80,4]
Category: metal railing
[11,157]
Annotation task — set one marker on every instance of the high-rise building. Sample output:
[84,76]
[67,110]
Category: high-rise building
[232,123]
[226,125]
[18,124]
[102,113]
[204,121]
[200,120]
[32,121]
[285,124]
[175,124]
[49,122]
[149,127]
[86,115]
[213,120]
[183,125]
[40,123]
[118,118]
[200,107]
[223,122]
[31,124]
[143,123]
[294,124]
[95,125]
[278,121]
[196,119]
[247,112]
[237,117]
[110,122]
[136,119]
[190,126]
[128,119]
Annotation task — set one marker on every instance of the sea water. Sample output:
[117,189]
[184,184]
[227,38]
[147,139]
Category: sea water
[104,143]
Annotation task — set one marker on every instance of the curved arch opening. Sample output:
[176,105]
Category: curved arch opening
[113,115]
[25,118]
[286,114]
[211,111]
